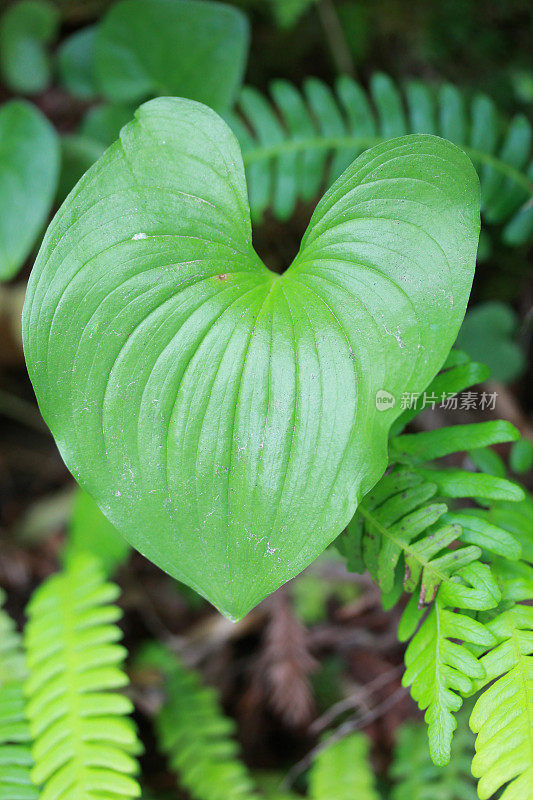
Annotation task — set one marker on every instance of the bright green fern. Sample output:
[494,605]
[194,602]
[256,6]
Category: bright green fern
[15,754]
[411,537]
[342,771]
[503,714]
[198,740]
[298,141]
[195,734]
[83,738]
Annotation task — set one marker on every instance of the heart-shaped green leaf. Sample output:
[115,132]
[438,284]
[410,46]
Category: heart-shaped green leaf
[227,419]
[29,165]
[159,47]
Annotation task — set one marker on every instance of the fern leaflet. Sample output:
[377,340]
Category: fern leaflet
[83,738]
[15,740]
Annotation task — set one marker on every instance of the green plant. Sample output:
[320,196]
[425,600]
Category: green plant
[230,420]
[340,767]
[444,556]
[29,165]
[71,618]
[26,28]
[196,736]
[159,47]
[514,517]
[238,343]
[298,142]
[502,716]
[83,738]
[445,657]
[198,739]
[407,531]
[122,58]
[15,740]
[521,456]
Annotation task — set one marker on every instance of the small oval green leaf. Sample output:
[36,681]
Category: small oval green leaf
[25,30]
[225,418]
[29,166]
[197,50]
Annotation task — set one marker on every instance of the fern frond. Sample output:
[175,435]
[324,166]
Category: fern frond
[196,735]
[439,669]
[417,778]
[514,517]
[83,739]
[398,521]
[298,141]
[503,714]
[406,531]
[342,771]
[410,541]
[410,537]
[15,740]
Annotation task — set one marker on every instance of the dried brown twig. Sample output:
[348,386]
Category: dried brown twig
[351,725]
[358,698]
